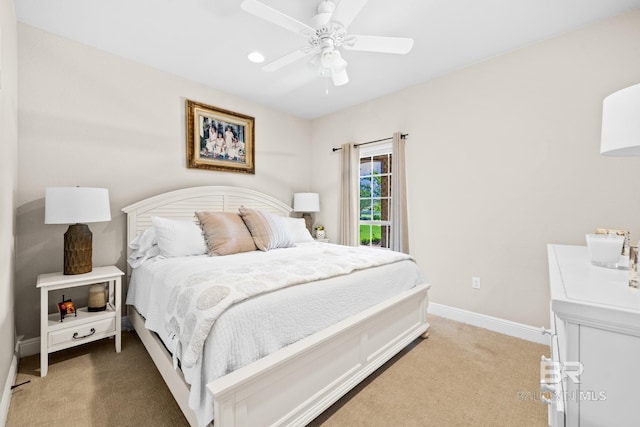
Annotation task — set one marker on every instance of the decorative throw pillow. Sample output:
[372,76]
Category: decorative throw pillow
[225,233]
[269,231]
[178,237]
[298,229]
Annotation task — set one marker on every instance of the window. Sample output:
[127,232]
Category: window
[375,196]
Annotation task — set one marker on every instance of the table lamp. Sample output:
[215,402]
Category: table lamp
[621,137]
[621,123]
[306,203]
[76,206]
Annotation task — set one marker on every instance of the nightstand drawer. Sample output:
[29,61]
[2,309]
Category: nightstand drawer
[78,334]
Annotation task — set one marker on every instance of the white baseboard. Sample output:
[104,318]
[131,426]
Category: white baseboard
[507,327]
[6,392]
[32,345]
[29,347]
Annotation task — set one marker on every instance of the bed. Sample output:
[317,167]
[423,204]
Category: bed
[293,384]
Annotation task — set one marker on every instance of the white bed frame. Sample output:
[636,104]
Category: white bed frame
[295,384]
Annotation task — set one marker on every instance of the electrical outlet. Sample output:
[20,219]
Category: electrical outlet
[475,282]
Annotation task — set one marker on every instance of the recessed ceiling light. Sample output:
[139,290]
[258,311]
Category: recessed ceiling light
[256,57]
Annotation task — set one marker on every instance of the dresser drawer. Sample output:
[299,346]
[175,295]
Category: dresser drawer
[78,334]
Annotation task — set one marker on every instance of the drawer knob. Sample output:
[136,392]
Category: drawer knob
[545,331]
[76,337]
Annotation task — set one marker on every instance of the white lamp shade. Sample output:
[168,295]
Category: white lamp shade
[306,202]
[621,123]
[71,205]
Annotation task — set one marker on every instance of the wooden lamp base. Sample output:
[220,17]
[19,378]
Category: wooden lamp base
[77,249]
[307,221]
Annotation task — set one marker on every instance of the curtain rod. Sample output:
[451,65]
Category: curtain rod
[404,135]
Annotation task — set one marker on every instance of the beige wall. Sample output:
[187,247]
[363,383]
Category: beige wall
[503,158]
[8,181]
[90,118]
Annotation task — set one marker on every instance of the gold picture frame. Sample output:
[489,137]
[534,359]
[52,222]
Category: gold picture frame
[219,139]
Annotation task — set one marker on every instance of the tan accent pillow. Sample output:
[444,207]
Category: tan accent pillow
[269,231]
[225,233]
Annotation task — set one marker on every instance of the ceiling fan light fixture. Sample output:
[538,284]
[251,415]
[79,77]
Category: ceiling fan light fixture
[340,78]
[326,59]
[339,62]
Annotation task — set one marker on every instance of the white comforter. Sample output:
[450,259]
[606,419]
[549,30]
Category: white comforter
[259,326]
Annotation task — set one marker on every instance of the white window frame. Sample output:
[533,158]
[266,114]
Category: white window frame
[372,151]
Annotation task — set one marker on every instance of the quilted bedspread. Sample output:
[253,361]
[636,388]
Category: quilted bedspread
[201,298]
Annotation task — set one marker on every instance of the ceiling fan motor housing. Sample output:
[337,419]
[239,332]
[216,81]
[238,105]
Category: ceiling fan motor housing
[333,34]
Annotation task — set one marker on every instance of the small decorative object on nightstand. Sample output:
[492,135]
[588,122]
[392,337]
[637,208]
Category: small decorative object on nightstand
[97,298]
[320,232]
[57,333]
[66,308]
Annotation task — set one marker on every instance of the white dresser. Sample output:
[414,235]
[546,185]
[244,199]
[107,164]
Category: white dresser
[594,374]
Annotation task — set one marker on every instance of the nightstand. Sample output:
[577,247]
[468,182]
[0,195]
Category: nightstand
[87,326]
[321,240]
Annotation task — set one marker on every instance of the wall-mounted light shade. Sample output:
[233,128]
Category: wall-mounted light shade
[621,123]
[70,205]
[306,202]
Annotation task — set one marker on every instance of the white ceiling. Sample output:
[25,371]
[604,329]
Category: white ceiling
[208,40]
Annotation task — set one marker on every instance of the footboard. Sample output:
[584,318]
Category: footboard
[297,383]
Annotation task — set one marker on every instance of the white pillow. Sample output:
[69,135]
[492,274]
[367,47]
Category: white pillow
[145,246]
[298,229]
[179,238]
[145,240]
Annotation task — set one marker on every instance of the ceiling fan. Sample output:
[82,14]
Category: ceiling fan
[327,34]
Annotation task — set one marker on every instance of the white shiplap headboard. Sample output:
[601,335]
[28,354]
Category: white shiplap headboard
[182,204]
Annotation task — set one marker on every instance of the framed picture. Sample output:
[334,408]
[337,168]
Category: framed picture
[218,139]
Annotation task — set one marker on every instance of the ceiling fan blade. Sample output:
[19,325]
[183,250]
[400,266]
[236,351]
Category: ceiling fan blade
[399,45]
[347,10]
[289,58]
[274,16]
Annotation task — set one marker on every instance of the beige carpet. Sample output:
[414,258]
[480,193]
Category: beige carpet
[460,376]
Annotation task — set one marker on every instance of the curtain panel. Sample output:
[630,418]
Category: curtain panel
[350,195]
[399,217]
